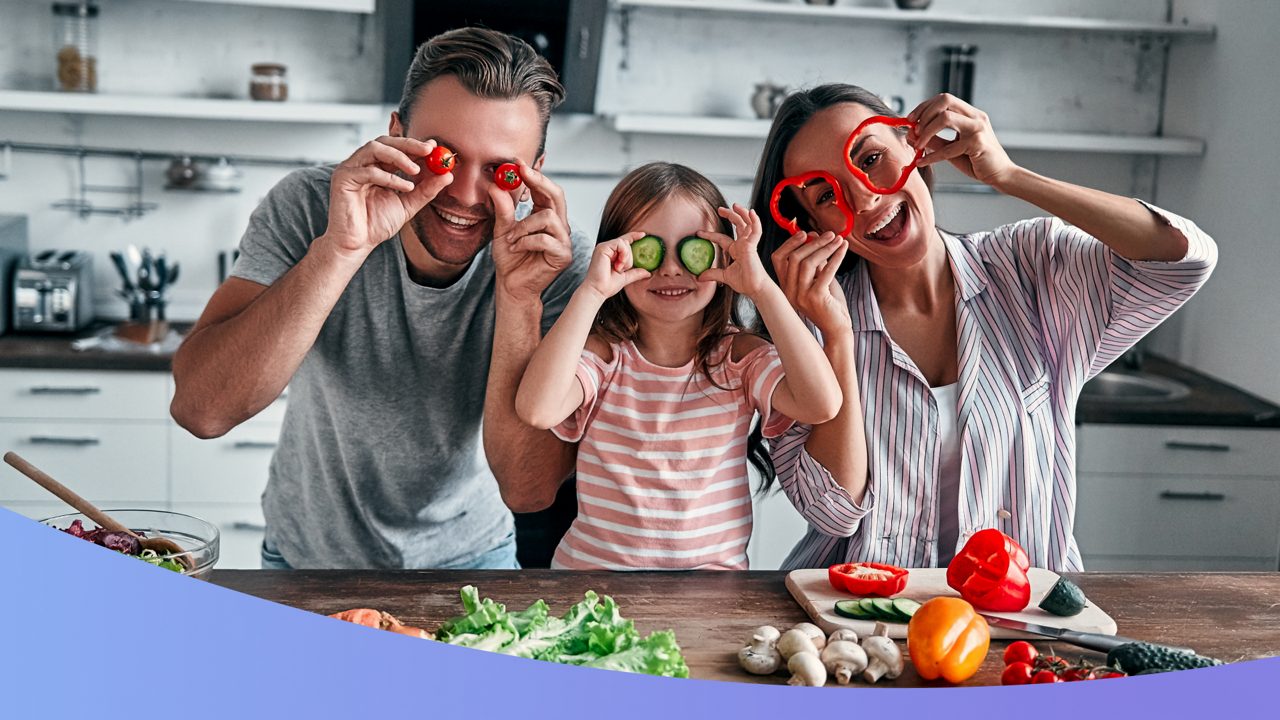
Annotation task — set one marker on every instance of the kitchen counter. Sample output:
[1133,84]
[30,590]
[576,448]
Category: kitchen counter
[1211,402]
[54,352]
[1231,616]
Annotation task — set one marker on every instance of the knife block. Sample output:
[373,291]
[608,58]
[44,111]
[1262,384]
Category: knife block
[143,333]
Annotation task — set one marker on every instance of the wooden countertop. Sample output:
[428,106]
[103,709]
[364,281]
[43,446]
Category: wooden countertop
[1231,616]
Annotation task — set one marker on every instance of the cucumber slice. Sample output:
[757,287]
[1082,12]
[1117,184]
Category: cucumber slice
[906,607]
[869,607]
[852,609]
[696,254]
[647,252]
[884,609]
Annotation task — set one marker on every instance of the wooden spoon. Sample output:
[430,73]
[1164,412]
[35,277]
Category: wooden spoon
[161,545]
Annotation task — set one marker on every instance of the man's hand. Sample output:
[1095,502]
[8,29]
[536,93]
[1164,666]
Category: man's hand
[529,254]
[376,191]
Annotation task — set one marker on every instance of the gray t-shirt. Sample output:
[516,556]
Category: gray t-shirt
[380,462]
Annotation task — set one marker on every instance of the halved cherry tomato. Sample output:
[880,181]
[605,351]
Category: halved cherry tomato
[1016,673]
[1020,651]
[441,160]
[867,578]
[1104,673]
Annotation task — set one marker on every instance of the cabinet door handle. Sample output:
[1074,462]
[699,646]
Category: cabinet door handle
[242,525]
[253,445]
[57,440]
[1210,496]
[54,390]
[1209,447]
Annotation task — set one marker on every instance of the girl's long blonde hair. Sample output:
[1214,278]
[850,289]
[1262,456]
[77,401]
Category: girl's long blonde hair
[617,322]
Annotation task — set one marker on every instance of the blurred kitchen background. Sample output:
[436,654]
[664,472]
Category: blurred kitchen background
[159,124]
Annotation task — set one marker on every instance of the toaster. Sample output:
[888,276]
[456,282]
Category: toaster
[53,292]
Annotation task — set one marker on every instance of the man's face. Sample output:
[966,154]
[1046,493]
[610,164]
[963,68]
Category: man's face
[484,133]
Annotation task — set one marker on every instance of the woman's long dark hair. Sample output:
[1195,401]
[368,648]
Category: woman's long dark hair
[797,110]
[635,194]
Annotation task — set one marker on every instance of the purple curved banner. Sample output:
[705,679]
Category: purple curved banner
[88,632]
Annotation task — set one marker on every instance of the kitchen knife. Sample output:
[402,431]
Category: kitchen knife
[1092,641]
[123,269]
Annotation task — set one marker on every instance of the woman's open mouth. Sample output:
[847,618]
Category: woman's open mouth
[891,227]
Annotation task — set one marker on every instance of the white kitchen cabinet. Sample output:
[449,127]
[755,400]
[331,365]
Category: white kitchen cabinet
[108,436]
[1178,498]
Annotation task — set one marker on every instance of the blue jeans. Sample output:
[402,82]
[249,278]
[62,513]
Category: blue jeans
[501,557]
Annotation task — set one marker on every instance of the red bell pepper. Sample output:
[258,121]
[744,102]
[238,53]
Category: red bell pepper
[991,572]
[867,578]
[799,181]
[862,177]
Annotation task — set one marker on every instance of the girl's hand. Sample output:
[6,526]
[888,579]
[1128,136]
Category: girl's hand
[741,268]
[610,269]
[806,265]
[975,151]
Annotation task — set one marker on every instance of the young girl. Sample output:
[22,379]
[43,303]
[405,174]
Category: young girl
[650,373]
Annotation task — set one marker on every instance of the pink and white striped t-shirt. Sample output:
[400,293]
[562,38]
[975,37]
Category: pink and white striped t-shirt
[662,461]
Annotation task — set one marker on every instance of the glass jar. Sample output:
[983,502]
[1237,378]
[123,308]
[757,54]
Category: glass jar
[958,70]
[75,46]
[268,82]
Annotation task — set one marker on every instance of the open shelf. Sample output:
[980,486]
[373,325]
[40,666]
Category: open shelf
[193,108]
[351,6]
[924,17]
[741,128]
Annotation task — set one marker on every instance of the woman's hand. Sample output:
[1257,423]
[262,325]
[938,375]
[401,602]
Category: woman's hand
[975,151]
[806,265]
[741,268]
[611,267]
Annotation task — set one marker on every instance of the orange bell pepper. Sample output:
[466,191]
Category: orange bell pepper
[947,639]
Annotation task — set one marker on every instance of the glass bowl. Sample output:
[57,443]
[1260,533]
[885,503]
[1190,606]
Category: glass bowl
[198,538]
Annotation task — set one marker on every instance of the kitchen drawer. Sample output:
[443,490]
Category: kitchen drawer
[1149,516]
[83,394]
[229,469]
[240,528]
[120,461]
[1173,450]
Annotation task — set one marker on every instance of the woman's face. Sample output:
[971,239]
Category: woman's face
[888,230]
[673,294]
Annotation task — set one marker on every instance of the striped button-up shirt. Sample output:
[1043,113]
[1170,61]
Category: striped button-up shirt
[1041,307]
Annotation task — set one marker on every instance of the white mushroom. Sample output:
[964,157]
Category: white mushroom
[885,659]
[760,657]
[814,632]
[846,634]
[807,670]
[795,641]
[844,660]
[770,634]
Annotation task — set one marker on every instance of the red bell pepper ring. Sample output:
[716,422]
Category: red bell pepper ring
[991,572]
[857,172]
[800,181]
[867,578]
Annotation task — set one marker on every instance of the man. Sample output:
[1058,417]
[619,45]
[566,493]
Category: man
[400,307]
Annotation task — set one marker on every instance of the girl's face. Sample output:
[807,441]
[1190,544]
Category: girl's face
[673,294]
[888,230]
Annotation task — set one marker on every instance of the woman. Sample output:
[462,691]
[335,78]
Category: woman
[970,351]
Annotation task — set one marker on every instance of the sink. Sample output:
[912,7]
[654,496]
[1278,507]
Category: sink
[1112,386]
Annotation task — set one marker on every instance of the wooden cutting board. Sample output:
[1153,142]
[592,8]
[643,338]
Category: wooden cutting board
[813,591]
